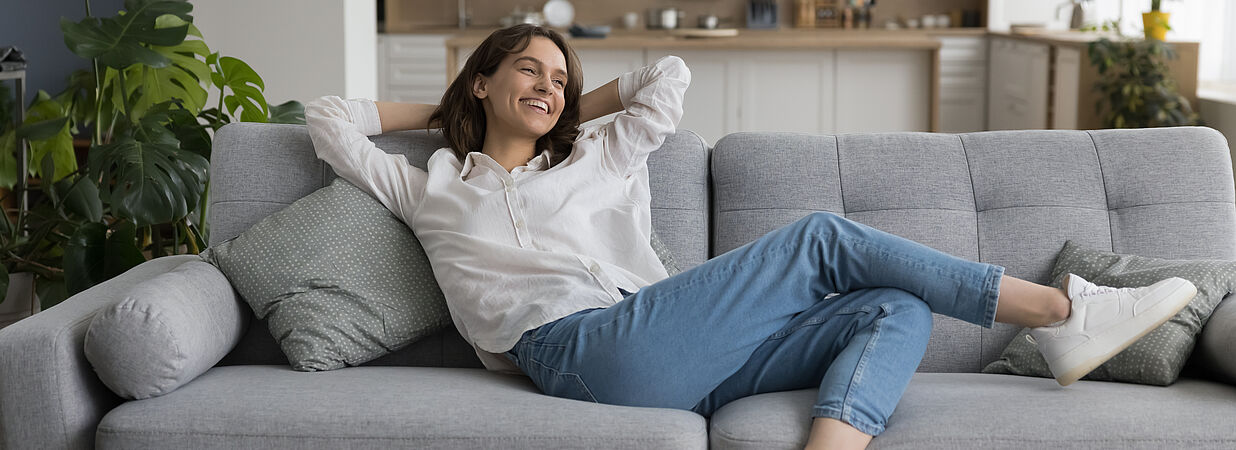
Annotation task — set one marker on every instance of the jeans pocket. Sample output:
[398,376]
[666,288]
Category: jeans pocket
[559,384]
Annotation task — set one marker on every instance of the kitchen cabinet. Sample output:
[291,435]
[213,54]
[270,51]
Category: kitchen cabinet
[411,68]
[963,84]
[804,89]
[1047,81]
[807,91]
[1066,88]
[886,90]
[1017,93]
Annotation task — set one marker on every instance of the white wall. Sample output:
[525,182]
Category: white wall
[303,49]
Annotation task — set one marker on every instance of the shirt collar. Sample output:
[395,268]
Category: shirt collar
[537,163]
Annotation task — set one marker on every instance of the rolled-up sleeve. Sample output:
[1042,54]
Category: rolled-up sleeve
[652,98]
[340,131]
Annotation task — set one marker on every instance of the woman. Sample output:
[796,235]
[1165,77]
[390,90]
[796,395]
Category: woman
[538,233]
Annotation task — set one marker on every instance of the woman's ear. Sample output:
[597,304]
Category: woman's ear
[479,86]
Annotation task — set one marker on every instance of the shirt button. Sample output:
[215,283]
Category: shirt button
[510,188]
[519,223]
[595,268]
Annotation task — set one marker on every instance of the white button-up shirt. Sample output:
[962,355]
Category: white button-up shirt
[514,251]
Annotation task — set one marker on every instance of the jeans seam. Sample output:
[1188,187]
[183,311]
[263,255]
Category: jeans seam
[574,376]
[819,320]
[846,409]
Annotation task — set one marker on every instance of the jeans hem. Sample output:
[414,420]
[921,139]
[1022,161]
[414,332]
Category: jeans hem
[863,425]
[991,294]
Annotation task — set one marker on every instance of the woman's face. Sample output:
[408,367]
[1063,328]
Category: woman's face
[525,94]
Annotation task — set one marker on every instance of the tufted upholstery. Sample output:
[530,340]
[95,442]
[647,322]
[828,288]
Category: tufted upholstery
[1010,198]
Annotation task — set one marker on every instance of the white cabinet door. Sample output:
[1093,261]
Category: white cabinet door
[1036,60]
[1017,98]
[785,91]
[1065,87]
[1000,66]
[885,90]
[602,66]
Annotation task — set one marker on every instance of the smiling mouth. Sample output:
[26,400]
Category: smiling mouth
[538,105]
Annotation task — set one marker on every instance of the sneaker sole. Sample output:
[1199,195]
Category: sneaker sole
[1079,362]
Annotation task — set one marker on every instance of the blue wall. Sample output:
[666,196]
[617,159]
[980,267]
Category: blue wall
[34,27]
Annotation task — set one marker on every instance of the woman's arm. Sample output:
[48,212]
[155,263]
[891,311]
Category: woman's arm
[340,131]
[651,102]
[404,116]
[600,102]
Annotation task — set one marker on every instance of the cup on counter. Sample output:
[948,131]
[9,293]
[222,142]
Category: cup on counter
[708,21]
[911,23]
[943,21]
[630,20]
[928,21]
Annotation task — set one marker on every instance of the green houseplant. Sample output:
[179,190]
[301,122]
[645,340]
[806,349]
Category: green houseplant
[1136,87]
[146,169]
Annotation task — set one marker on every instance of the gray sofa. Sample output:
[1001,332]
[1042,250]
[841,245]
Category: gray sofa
[1009,198]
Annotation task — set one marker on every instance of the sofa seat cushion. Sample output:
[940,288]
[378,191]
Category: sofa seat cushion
[385,407]
[971,410]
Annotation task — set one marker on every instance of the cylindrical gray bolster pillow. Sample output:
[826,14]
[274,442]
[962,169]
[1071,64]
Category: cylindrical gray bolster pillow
[166,331]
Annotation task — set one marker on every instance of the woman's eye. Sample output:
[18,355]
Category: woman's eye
[560,83]
[529,70]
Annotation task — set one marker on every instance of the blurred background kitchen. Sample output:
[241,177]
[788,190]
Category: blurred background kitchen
[817,66]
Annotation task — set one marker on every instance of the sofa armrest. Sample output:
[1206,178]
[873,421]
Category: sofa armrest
[1217,343]
[49,394]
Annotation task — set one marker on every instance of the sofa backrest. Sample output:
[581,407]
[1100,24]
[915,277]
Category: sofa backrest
[1010,198]
[258,169]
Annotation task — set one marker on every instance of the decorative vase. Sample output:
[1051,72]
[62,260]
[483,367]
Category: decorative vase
[1155,23]
[20,301]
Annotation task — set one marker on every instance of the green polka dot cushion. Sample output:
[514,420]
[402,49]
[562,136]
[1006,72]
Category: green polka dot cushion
[1156,358]
[342,280]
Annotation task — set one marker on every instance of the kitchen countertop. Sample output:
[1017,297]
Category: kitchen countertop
[783,38]
[1072,38]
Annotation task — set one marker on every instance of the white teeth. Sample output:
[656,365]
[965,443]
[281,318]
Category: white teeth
[537,103]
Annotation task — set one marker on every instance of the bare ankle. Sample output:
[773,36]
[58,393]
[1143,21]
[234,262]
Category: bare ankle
[1061,308]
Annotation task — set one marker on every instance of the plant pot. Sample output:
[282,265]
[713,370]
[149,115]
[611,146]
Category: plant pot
[21,301]
[1155,23]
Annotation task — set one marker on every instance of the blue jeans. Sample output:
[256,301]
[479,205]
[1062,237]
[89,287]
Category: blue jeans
[760,319]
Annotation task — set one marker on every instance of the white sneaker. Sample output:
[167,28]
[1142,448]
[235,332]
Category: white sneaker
[1104,321]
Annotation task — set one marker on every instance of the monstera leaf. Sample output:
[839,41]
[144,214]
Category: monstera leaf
[118,41]
[290,111]
[47,129]
[92,256]
[182,79]
[246,87]
[147,177]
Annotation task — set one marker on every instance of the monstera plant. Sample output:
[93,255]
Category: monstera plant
[142,192]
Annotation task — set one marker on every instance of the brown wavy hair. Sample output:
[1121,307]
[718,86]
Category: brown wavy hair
[462,116]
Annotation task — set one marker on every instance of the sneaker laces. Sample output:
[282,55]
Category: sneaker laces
[1097,290]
